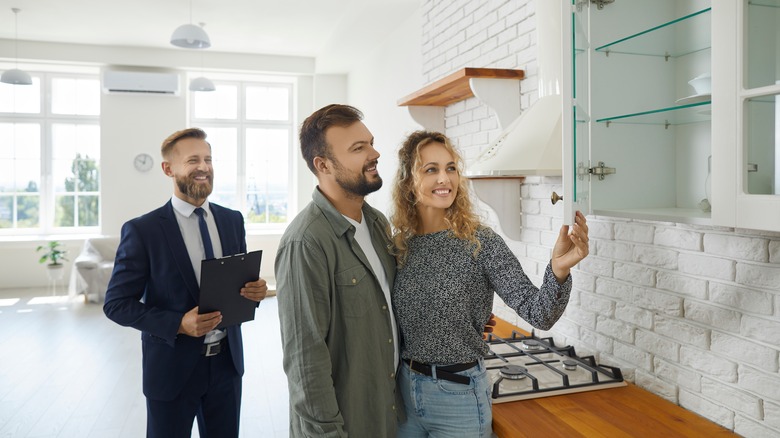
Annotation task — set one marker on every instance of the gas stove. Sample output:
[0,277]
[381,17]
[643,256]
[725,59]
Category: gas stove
[523,367]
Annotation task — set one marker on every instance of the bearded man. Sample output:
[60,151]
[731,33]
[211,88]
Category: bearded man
[190,368]
[334,271]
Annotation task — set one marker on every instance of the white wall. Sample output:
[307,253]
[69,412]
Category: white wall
[386,74]
[19,265]
[127,128]
[690,313]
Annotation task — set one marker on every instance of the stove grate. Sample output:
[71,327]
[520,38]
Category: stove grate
[547,369]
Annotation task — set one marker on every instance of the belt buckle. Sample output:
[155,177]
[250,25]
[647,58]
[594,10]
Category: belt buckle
[421,368]
[213,349]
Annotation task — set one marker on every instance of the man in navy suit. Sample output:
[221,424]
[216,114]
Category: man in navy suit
[190,369]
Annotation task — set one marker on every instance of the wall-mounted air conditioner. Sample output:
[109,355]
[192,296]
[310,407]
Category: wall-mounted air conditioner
[117,81]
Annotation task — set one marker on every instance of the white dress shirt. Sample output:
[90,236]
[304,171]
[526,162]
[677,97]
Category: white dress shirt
[190,231]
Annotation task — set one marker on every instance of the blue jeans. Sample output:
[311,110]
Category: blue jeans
[440,408]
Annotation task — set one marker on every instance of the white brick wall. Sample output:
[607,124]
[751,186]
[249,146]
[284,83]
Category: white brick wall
[707,408]
[691,313]
[772,414]
[709,364]
[759,382]
[677,375]
[740,349]
[653,384]
[682,331]
[677,238]
[740,298]
[691,287]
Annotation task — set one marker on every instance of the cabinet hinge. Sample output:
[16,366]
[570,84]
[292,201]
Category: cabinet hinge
[601,3]
[601,171]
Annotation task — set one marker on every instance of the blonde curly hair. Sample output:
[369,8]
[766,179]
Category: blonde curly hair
[460,216]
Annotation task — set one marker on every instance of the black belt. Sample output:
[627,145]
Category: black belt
[214,348]
[445,372]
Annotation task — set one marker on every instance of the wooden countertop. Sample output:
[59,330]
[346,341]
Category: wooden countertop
[616,412]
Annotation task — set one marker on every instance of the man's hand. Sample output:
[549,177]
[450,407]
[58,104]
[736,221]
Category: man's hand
[489,326]
[195,325]
[255,290]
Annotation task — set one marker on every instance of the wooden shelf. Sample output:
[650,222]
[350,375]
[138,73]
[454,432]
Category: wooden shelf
[455,87]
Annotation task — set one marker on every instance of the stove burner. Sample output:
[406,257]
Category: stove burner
[513,372]
[531,344]
[523,367]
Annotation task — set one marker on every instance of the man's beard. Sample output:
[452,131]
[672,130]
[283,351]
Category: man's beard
[358,185]
[193,189]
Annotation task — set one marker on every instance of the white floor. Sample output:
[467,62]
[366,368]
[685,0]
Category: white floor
[67,371]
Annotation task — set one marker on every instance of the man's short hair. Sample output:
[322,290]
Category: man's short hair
[312,135]
[172,139]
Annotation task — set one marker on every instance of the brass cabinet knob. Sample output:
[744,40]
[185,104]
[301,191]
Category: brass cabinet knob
[555,198]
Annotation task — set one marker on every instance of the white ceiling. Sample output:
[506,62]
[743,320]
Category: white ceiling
[335,32]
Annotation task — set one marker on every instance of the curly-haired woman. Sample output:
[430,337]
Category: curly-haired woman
[449,267]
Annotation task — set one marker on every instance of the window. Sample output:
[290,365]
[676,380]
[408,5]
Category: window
[250,128]
[50,155]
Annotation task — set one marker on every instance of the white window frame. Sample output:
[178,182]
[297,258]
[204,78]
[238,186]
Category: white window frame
[241,124]
[46,119]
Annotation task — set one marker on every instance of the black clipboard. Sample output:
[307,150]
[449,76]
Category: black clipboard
[221,281]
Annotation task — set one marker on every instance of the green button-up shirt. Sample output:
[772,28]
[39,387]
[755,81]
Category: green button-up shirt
[336,331]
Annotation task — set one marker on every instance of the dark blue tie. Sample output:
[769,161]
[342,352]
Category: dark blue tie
[204,233]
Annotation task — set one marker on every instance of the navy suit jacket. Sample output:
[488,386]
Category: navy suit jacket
[153,285]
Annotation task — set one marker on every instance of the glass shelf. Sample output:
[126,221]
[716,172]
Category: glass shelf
[763,99]
[670,214]
[675,115]
[767,3]
[675,38]
[581,37]
[581,115]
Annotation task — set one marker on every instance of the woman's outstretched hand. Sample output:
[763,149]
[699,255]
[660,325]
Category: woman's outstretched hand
[570,248]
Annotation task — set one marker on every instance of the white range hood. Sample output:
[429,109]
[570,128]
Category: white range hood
[532,143]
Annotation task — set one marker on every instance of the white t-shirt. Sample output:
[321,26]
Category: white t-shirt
[363,238]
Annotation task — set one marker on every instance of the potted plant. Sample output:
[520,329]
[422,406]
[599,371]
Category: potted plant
[52,256]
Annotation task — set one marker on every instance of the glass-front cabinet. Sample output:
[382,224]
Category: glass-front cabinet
[637,128]
[748,133]
[672,109]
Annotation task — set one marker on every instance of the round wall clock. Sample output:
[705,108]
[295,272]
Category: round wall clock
[143,162]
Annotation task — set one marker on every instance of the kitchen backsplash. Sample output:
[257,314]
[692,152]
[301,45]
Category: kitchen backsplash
[690,313]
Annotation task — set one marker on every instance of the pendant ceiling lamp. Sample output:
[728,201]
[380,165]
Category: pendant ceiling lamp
[190,36]
[202,83]
[16,76]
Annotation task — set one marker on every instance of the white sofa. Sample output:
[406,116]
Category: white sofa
[93,268]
